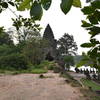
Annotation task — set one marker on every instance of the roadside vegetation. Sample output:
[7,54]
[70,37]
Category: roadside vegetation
[70,80]
[91,84]
[24,50]
[89,95]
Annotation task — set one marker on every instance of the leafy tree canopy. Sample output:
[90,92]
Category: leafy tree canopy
[4,37]
[92,24]
[69,60]
[36,6]
[25,29]
[67,45]
[34,50]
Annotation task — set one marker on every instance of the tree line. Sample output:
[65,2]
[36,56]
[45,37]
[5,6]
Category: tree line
[32,48]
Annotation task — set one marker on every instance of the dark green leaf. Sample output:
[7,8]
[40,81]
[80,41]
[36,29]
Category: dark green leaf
[28,6]
[36,11]
[94,30]
[66,5]
[4,5]
[46,4]
[77,3]
[98,55]
[24,5]
[94,53]
[87,1]
[85,24]
[96,4]
[94,41]
[97,15]
[88,10]
[87,45]
[0,10]
[11,3]
[93,19]
[18,0]
[81,63]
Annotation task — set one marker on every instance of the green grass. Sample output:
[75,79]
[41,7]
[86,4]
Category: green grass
[2,71]
[71,80]
[47,65]
[89,95]
[15,72]
[90,83]
[39,71]
[43,67]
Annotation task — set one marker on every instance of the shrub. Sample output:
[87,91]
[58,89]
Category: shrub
[51,66]
[39,71]
[45,65]
[14,61]
[56,69]
[6,49]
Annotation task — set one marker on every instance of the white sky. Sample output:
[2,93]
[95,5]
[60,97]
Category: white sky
[60,23]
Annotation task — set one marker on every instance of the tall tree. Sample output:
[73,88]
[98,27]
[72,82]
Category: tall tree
[25,29]
[34,50]
[4,37]
[69,61]
[67,45]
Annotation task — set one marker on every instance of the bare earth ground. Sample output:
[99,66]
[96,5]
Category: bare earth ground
[31,87]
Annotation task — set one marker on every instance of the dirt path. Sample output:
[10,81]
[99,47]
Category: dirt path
[31,87]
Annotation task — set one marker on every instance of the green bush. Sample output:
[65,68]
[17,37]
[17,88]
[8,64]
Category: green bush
[39,71]
[70,79]
[51,66]
[56,69]
[14,61]
[44,64]
[6,49]
[2,71]
[47,65]
[90,83]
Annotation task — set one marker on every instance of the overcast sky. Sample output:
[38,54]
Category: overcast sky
[60,23]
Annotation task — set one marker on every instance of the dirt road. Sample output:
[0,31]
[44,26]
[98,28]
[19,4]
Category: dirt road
[31,87]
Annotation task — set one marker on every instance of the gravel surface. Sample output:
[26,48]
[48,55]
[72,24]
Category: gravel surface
[31,87]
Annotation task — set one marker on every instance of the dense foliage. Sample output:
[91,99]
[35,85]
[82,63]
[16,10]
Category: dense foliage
[14,61]
[4,37]
[34,50]
[92,24]
[25,29]
[11,59]
[36,6]
[67,45]
[28,32]
[69,61]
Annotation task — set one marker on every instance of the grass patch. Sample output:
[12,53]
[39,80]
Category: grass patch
[70,79]
[49,65]
[90,83]
[15,72]
[2,71]
[39,71]
[89,95]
